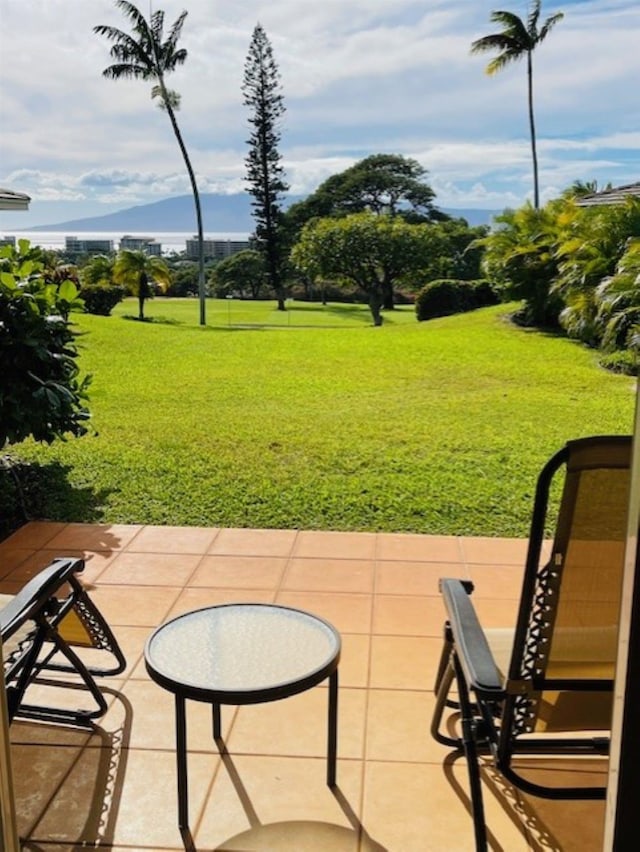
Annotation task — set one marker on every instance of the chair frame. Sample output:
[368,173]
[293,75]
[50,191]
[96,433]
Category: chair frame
[37,611]
[489,703]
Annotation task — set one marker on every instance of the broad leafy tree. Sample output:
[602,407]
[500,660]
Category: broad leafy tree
[145,54]
[265,174]
[241,274]
[518,39]
[381,183]
[370,251]
[138,272]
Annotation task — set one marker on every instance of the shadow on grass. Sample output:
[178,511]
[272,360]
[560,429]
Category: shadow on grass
[32,491]
[154,320]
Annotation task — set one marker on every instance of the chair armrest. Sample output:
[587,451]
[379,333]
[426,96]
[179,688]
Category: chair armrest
[470,643]
[35,594]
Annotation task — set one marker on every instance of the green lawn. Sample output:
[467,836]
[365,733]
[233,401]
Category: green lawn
[314,419]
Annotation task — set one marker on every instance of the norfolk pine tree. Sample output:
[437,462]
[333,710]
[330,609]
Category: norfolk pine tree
[261,90]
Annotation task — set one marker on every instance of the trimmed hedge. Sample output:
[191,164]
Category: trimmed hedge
[101,299]
[447,296]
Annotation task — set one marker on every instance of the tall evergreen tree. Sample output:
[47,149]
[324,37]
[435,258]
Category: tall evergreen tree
[265,175]
[142,54]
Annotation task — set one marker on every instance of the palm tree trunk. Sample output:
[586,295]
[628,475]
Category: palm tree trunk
[196,198]
[532,129]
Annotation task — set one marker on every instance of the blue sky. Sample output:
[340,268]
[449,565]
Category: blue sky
[358,76]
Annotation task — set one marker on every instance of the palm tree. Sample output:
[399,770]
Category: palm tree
[137,271]
[144,55]
[516,40]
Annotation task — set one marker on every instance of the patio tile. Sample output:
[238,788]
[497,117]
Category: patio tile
[159,539]
[92,537]
[404,615]
[249,542]
[260,803]
[354,660]
[297,726]
[421,548]
[150,569]
[414,578]
[12,557]
[329,575]
[34,534]
[398,791]
[496,612]
[135,606]
[496,581]
[398,726]
[122,798]
[404,662]
[347,613]
[146,713]
[190,599]
[239,572]
[494,551]
[413,807]
[327,545]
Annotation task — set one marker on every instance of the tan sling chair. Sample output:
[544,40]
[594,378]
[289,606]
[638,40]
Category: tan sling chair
[545,687]
[44,629]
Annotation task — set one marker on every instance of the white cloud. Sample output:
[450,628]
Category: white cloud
[359,76]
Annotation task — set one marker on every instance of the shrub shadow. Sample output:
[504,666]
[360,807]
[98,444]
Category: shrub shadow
[33,491]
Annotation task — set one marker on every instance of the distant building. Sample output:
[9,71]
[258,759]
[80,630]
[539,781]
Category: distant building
[72,245]
[216,249]
[7,241]
[145,244]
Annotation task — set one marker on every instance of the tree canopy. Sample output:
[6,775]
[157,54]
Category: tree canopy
[370,251]
[382,183]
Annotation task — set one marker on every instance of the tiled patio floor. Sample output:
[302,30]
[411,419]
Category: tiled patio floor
[397,789]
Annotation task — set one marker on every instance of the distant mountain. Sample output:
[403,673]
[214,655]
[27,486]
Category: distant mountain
[220,214]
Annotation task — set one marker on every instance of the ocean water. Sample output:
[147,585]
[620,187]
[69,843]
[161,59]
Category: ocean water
[169,240]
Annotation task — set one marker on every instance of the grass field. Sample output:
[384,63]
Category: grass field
[314,419]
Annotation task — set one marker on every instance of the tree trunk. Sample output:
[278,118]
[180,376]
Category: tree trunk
[532,128]
[375,303]
[387,293]
[196,199]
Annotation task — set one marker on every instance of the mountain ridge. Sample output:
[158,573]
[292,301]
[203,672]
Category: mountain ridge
[220,213]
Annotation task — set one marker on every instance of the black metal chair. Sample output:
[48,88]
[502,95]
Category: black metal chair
[545,687]
[44,629]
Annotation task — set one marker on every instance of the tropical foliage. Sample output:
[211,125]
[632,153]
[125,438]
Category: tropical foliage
[574,267]
[518,39]
[139,272]
[41,394]
[144,55]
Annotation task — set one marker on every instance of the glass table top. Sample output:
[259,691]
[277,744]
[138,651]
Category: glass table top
[241,648]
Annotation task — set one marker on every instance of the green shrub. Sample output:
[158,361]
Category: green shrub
[623,361]
[447,296]
[41,395]
[101,299]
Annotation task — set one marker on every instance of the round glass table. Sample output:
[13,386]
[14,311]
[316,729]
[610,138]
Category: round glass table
[242,653]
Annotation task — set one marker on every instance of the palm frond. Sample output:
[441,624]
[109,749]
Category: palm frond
[532,18]
[176,30]
[548,25]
